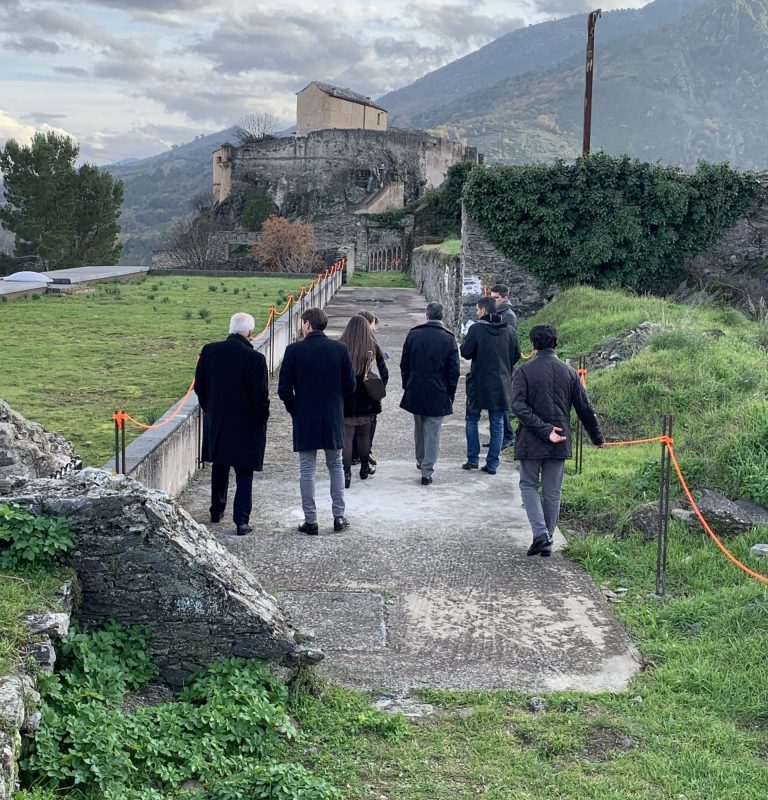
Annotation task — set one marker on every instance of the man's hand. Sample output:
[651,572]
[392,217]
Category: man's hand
[555,436]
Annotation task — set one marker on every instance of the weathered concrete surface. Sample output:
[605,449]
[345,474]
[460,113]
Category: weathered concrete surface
[430,586]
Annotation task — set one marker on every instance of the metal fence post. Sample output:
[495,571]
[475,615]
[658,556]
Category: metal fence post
[578,453]
[272,340]
[116,418]
[290,319]
[662,540]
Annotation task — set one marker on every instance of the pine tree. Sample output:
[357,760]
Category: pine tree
[61,216]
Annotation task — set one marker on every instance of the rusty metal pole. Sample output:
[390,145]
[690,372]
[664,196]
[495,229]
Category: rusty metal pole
[662,539]
[117,442]
[122,429]
[591,23]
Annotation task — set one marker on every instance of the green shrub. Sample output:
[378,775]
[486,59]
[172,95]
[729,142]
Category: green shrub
[30,541]
[228,730]
[256,209]
[604,220]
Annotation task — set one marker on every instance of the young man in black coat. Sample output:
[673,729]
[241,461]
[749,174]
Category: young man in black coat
[543,391]
[233,390]
[315,375]
[492,347]
[500,293]
[429,368]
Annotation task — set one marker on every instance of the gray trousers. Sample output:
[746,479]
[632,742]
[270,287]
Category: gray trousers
[307,471]
[542,511]
[426,437]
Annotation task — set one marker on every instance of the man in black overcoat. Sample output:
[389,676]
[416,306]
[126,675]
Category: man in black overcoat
[543,391]
[491,344]
[232,387]
[429,367]
[315,375]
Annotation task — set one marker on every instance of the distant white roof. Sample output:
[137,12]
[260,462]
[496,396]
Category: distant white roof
[28,277]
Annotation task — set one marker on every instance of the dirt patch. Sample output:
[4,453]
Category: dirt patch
[154,694]
[602,743]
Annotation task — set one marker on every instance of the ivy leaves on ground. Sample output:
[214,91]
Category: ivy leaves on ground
[606,221]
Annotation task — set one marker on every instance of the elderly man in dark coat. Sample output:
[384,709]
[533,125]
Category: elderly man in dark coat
[232,387]
[429,367]
[543,391]
[492,347]
[315,375]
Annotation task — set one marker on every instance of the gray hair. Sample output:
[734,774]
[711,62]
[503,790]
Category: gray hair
[241,323]
[434,310]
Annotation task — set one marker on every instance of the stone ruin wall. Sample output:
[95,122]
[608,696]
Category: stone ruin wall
[327,175]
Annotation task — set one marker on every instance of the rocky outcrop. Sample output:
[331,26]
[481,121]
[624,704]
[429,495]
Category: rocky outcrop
[27,449]
[622,347]
[142,560]
[734,270]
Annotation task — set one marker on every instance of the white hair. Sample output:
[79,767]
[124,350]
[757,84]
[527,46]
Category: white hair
[241,323]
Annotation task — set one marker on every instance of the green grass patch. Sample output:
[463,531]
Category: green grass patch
[382,280]
[70,361]
[22,594]
[449,246]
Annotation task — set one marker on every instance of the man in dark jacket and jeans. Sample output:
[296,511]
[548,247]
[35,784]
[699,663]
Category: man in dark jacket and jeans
[493,349]
[429,368]
[315,375]
[233,391]
[543,391]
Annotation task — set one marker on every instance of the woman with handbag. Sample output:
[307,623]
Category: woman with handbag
[362,406]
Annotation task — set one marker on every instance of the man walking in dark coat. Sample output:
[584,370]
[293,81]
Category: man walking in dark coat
[492,347]
[233,390]
[315,375]
[500,293]
[430,371]
[543,391]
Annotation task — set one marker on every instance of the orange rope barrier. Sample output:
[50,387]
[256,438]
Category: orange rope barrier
[726,552]
[120,417]
[668,440]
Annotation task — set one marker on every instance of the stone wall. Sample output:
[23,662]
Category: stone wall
[19,698]
[438,276]
[28,449]
[483,265]
[142,560]
[734,269]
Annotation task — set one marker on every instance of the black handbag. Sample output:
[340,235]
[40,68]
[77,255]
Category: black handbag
[372,381]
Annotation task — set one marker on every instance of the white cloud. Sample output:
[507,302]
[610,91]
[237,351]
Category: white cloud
[11,128]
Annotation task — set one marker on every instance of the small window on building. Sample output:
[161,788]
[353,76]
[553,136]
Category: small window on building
[378,119]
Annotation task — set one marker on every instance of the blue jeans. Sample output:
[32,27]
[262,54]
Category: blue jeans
[496,418]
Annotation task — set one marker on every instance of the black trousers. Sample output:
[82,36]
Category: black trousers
[241,512]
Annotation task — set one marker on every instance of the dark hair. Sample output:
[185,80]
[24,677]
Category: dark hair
[488,304]
[434,310]
[501,289]
[359,341]
[372,318]
[316,317]
[543,337]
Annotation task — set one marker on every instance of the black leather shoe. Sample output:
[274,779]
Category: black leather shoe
[310,528]
[469,465]
[347,478]
[243,530]
[340,524]
[364,471]
[372,461]
[539,546]
[426,481]
[546,552]
[215,518]
[488,470]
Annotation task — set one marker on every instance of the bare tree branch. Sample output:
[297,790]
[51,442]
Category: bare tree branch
[255,128]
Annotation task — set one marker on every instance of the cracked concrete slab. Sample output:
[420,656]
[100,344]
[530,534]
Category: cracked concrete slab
[430,586]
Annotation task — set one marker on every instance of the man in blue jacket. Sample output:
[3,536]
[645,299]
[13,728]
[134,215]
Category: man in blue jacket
[429,368]
[315,375]
[543,391]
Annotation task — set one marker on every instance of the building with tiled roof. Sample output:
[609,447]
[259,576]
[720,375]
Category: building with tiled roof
[321,106]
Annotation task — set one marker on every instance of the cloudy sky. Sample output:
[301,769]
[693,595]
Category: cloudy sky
[128,78]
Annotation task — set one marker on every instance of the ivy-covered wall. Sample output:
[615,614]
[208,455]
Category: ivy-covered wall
[606,221]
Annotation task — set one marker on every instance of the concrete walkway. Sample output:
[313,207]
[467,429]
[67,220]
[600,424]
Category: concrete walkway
[430,587]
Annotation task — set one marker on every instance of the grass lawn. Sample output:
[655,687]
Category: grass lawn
[694,724]
[68,362]
[382,280]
